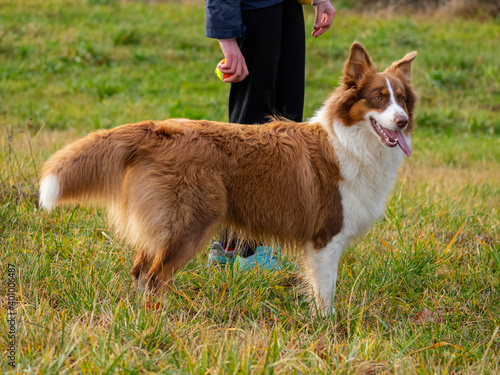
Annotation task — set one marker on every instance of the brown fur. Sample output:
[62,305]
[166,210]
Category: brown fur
[169,184]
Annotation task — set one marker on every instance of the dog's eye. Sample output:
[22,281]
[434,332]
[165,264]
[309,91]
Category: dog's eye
[402,98]
[378,97]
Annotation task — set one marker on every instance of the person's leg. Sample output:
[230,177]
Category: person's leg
[243,247]
[274,50]
[252,101]
[289,97]
[275,85]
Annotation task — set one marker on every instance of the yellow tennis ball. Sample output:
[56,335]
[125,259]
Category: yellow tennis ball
[222,76]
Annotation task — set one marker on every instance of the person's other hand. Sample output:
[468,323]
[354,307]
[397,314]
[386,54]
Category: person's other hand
[235,62]
[324,18]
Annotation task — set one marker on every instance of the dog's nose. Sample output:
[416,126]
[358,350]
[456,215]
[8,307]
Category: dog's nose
[401,121]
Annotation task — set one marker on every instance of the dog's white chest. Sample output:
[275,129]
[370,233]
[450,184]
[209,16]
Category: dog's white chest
[365,187]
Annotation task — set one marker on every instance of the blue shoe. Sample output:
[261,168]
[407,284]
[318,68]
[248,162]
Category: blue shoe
[218,256]
[264,258]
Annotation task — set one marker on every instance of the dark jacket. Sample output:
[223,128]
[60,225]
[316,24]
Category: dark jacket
[223,17]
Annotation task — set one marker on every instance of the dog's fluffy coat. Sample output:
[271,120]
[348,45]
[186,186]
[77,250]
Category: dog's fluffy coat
[169,184]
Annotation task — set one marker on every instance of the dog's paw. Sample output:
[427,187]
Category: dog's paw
[327,311]
[322,311]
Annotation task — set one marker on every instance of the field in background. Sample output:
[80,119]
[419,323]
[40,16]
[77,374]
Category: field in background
[441,8]
[419,294]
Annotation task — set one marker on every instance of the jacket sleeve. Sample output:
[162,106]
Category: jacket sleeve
[223,19]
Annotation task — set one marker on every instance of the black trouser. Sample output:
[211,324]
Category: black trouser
[274,49]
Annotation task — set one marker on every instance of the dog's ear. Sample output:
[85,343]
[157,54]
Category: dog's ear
[357,66]
[403,66]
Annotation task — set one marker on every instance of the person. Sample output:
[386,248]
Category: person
[263,43]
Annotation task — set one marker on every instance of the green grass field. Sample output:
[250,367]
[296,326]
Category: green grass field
[420,294]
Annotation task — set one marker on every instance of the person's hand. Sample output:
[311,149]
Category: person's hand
[235,62]
[324,18]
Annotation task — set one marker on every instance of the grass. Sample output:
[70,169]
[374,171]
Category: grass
[418,295]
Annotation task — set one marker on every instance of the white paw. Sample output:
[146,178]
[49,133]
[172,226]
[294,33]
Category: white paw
[323,311]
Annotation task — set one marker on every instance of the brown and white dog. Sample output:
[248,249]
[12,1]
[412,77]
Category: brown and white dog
[168,185]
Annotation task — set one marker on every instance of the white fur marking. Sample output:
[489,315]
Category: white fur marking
[397,108]
[393,99]
[49,192]
[322,266]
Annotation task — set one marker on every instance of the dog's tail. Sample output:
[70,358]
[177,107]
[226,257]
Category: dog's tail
[90,169]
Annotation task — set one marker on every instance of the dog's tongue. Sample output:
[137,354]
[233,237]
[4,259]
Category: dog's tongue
[402,143]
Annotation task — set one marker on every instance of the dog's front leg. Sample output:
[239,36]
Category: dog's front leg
[322,267]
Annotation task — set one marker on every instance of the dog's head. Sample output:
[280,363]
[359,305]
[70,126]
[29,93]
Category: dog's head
[380,103]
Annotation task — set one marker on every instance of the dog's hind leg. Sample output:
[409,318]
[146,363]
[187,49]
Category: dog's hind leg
[322,267]
[140,265]
[172,216]
[166,264]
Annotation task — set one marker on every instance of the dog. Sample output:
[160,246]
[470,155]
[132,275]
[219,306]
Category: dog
[168,185]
